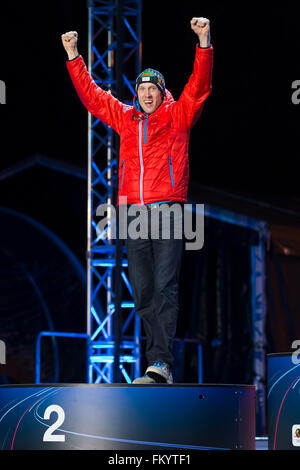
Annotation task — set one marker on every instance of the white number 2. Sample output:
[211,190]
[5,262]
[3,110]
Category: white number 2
[49,436]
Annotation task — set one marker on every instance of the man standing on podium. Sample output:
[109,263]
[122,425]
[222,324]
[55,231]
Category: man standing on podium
[153,174]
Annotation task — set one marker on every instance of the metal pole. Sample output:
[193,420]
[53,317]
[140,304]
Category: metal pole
[110,64]
[259,340]
[119,245]
[89,203]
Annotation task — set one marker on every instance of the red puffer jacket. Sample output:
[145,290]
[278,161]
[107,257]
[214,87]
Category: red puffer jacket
[154,162]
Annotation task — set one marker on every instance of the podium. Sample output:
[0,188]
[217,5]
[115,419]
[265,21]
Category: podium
[283,397]
[127,416]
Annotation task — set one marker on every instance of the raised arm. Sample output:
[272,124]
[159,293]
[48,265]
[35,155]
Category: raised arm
[97,101]
[190,104]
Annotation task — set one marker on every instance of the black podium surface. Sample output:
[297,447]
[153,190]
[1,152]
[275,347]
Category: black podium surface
[127,416]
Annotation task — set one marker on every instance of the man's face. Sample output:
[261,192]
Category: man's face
[149,96]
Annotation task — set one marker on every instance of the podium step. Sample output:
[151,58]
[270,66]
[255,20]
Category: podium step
[127,416]
[283,392]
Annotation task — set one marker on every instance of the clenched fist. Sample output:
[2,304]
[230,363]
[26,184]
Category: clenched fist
[201,27]
[69,41]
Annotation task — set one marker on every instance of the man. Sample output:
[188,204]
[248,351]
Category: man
[153,171]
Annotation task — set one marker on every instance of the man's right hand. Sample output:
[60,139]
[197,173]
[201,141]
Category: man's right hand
[69,41]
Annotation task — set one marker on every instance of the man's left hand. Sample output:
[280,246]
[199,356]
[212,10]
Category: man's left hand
[201,27]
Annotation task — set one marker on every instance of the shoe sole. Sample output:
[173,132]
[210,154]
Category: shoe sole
[155,373]
[144,381]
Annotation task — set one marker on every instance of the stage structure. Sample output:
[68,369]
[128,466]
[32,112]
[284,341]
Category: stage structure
[113,327]
[114,58]
[258,300]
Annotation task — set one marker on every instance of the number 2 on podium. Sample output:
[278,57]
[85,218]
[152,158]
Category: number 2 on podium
[49,436]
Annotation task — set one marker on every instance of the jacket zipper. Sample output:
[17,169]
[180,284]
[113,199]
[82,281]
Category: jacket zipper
[171,171]
[145,130]
[141,154]
[141,161]
[123,165]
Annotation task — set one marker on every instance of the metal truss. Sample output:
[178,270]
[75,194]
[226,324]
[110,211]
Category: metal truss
[114,59]
[259,305]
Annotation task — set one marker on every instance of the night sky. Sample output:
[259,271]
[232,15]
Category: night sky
[246,139]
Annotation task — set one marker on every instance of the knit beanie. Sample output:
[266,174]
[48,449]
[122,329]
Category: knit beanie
[152,76]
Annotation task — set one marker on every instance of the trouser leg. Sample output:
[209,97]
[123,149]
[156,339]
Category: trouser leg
[167,263]
[141,276]
[154,268]
[167,250]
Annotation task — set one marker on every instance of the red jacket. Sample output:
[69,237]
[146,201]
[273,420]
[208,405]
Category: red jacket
[153,162]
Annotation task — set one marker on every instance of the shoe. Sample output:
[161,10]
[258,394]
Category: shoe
[157,372]
[160,372]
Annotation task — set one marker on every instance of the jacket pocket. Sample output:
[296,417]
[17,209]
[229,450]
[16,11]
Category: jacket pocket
[171,170]
[123,171]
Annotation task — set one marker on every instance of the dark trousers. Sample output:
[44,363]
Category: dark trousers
[154,267]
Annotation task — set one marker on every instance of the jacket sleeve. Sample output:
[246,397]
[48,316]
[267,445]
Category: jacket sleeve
[97,101]
[190,104]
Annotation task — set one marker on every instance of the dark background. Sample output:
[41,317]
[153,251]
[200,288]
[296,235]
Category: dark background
[247,138]
[244,146]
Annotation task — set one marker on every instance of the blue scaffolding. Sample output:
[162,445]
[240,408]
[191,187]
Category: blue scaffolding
[114,61]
